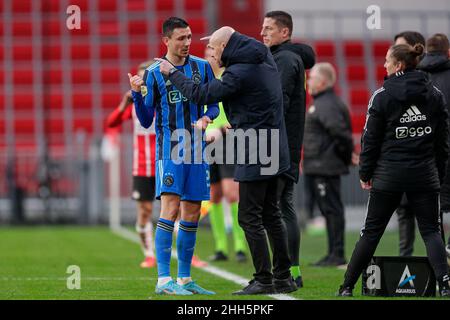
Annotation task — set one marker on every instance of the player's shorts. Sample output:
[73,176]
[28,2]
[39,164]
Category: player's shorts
[189,181]
[143,188]
[221,171]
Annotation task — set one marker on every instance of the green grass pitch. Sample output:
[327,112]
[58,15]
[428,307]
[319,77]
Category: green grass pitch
[34,262]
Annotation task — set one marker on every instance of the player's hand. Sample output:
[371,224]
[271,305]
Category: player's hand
[135,82]
[366,185]
[202,123]
[355,159]
[164,66]
[226,128]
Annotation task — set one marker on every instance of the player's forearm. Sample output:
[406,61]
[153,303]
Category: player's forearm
[144,113]
[194,92]
[114,119]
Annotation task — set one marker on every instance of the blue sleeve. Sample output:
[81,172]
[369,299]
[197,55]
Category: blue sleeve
[145,106]
[212,110]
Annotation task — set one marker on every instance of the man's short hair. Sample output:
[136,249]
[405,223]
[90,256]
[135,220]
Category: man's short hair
[171,24]
[326,70]
[438,43]
[282,19]
[411,37]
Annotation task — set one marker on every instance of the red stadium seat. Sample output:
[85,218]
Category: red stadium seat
[23,101]
[81,101]
[22,52]
[81,76]
[109,28]
[110,100]
[80,52]
[51,28]
[1,28]
[138,51]
[325,48]
[380,48]
[193,5]
[359,97]
[109,51]
[83,124]
[2,77]
[53,76]
[2,102]
[54,126]
[165,5]
[137,28]
[380,73]
[22,6]
[22,29]
[51,52]
[24,126]
[356,72]
[198,27]
[353,49]
[136,5]
[83,4]
[83,32]
[23,77]
[107,5]
[53,101]
[111,75]
[50,6]
[358,122]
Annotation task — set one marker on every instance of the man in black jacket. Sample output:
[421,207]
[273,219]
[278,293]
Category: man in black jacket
[251,93]
[292,59]
[437,63]
[327,155]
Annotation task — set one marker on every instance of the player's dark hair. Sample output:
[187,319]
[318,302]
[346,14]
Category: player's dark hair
[411,37]
[171,24]
[282,19]
[438,43]
[407,55]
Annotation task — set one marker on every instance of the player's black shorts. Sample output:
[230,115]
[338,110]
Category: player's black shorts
[143,188]
[217,172]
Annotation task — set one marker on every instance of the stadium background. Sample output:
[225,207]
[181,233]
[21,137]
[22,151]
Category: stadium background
[58,85]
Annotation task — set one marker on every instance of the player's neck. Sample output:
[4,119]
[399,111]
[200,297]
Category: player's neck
[175,60]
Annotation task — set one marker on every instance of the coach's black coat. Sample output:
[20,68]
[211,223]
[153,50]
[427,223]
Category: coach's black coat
[438,67]
[250,89]
[292,59]
[405,141]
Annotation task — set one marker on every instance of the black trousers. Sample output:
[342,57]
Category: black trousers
[289,216]
[259,213]
[328,195]
[380,208]
[406,228]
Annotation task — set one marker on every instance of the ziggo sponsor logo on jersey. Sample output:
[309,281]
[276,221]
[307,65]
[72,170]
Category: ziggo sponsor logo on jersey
[405,132]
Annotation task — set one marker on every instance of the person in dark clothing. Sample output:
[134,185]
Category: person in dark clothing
[251,94]
[292,59]
[404,151]
[327,154]
[437,63]
[406,222]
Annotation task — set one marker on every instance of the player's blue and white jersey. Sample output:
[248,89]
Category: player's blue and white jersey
[172,110]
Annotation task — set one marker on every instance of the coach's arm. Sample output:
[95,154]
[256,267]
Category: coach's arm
[207,93]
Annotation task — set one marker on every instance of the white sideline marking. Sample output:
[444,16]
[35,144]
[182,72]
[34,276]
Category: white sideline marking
[84,278]
[127,234]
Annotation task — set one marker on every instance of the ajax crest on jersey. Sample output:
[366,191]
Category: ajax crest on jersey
[197,78]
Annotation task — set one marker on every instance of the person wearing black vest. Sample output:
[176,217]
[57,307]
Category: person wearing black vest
[292,60]
[250,90]
[404,151]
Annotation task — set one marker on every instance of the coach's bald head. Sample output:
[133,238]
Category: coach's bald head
[218,41]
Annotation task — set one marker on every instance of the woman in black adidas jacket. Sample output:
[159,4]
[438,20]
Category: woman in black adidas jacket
[404,150]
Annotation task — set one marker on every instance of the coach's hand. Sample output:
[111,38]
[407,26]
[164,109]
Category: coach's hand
[203,123]
[366,185]
[164,66]
[135,82]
